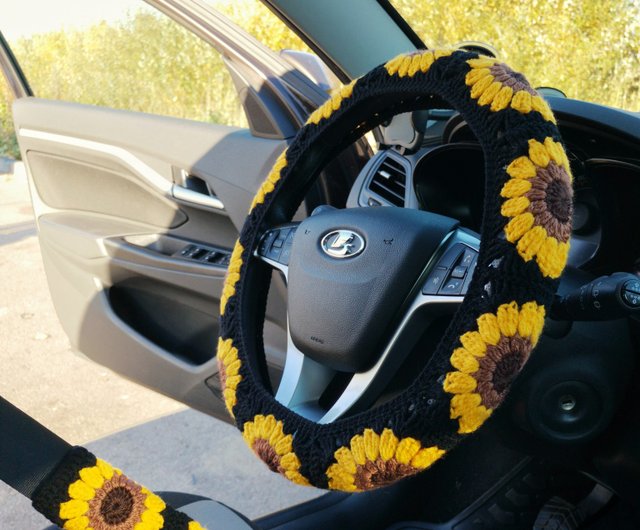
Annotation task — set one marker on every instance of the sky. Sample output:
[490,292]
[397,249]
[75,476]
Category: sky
[21,18]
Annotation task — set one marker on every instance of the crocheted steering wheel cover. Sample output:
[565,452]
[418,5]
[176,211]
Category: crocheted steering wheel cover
[525,241]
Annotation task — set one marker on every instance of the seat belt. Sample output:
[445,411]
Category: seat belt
[60,479]
[28,450]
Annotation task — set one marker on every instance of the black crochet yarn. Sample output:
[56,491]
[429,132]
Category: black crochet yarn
[421,412]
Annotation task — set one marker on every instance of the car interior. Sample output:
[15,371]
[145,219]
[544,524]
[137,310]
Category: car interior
[138,218]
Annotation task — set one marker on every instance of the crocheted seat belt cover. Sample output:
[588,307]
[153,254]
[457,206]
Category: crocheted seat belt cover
[525,243]
[85,493]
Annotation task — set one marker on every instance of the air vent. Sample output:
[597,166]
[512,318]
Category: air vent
[390,181]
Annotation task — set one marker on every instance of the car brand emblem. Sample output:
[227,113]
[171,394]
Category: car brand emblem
[342,244]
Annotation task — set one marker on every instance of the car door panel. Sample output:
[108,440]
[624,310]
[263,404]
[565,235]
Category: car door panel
[118,196]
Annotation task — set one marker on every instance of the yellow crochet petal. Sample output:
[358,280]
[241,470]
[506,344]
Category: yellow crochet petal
[233,275]
[488,328]
[407,449]
[297,478]
[404,66]
[357,449]
[515,188]
[518,226]
[478,88]
[344,457]
[92,477]
[427,456]
[515,206]
[339,479]
[489,93]
[473,420]
[521,102]
[473,343]
[502,99]
[152,518]
[481,62]
[521,168]
[508,318]
[283,445]
[290,462]
[393,65]
[531,242]
[462,360]
[105,469]
[154,503]
[426,61]
[73,508]
[371,444]
[552,257]
[531,321]
[77,523]
[81,491]
[414,68]
[459,383]
[475,75]
[540,105]
[388,444]
[461,404]
[195,525]
[538,153]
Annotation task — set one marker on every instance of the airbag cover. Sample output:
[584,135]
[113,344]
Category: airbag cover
[324,291]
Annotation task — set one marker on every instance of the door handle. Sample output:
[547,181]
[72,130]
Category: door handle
[195,192]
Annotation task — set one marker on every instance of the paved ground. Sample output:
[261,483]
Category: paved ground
[156,440]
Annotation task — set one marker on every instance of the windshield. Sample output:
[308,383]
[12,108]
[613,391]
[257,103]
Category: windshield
[589,50]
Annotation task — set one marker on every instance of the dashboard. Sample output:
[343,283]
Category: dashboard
[444,173]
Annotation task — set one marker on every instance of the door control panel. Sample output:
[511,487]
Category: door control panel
[205,255]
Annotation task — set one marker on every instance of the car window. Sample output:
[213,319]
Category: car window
[121,54]
[260,22]
[589,50]
[8,142]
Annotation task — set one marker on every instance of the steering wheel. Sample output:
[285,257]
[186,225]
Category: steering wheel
[360,278]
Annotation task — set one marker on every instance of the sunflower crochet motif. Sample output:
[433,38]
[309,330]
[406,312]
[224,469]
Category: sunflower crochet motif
[539,204]
[266,438]
[229,371]
[105,499]
[494,83]
[489,360]
[374,460]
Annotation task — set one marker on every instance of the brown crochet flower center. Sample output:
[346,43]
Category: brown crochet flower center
[222,373]
[551,204]
[117,506]
[499,367]
[267,454]
[378,473]
[508,77]
[559,200]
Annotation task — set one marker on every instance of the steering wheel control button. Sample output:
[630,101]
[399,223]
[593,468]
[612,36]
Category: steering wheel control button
[453,286]
[342,244]
[285,255]
[631,293]
[451,256]
[437,276]
[458,272]
[468,257]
